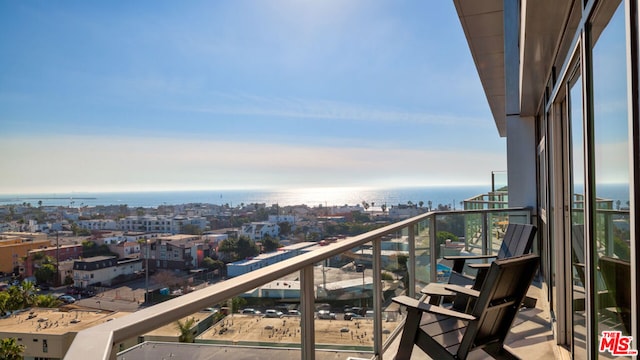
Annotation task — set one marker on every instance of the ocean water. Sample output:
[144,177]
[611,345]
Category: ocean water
[310,196]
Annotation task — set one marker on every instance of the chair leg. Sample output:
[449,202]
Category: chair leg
[411,326]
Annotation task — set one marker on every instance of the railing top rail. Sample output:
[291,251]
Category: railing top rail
[106,335]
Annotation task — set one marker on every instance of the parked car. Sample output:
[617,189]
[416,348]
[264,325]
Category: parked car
[355,309]
[67,299]
[326,315]
[351,316]
[294,313]
[250,311]
[271,313]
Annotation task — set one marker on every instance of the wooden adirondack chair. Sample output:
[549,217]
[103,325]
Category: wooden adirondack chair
[447,334]
[616,274]
[518,240]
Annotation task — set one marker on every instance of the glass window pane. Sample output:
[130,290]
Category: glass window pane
[577,219]
[611,160]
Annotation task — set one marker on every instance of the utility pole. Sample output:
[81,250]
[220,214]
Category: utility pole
[57,282]
[146,273]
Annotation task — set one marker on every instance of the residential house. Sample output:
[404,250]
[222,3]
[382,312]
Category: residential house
[258,230]
[103,270]
[175,252]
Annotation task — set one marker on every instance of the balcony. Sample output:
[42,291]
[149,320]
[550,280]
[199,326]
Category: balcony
[361,272]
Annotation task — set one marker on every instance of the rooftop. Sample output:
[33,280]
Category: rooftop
[55,321]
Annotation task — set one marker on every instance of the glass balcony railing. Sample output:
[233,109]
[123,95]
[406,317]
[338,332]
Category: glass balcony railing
[334,298]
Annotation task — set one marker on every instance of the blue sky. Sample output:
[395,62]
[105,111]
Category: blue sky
[159,95]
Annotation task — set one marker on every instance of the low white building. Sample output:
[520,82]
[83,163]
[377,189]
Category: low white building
[258,230]
[103,270]
[161,224]
[126,248]
[405,211]
[244,266]
[98,224]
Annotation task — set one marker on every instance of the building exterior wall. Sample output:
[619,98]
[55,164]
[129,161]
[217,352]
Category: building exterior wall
[99,224]
[103,270]
[13,249]
[64,252]
[161,224]
[258,230]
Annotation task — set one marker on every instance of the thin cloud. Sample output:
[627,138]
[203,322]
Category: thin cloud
[110,164]
[251,105]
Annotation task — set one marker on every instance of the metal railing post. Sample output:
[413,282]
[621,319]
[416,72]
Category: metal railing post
[485,234]
[307,302]
[377,298]
[412,261]
[432,250]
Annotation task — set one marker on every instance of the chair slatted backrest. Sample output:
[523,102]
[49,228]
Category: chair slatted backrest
[518,240]
[616,274]
[502,292]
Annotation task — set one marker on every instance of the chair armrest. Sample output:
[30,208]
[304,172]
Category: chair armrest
[480,266]
[463,290]
[413,303]
[467,257]
[436,289]
[460,260]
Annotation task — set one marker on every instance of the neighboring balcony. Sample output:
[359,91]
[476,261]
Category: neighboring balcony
[357,276]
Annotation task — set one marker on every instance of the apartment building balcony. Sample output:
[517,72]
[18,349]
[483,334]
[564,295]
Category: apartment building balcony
[353,273]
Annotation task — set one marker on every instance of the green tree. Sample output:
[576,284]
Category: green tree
[191,229]
[442,236]
[240,248]
[46,301]
[212,264]
[237,303]
[23,295]
[46,273]
[360,217]
[186,334]
[90,248]
[10,349]
[4,302]
[270,244]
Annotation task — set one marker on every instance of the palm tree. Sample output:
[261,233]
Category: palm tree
[46,301]
[28,292]
[4,302]
[10,349]
[186,335]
